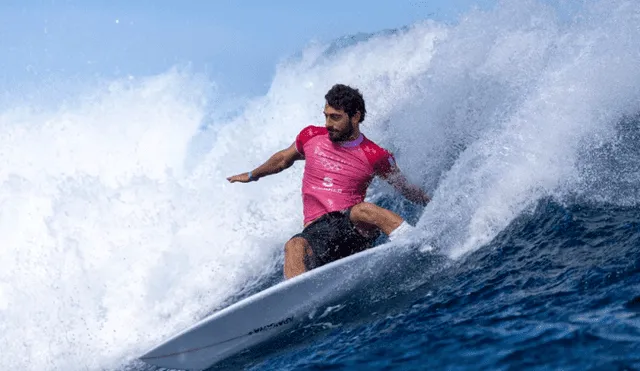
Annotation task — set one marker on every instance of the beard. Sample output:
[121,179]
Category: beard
[341,136]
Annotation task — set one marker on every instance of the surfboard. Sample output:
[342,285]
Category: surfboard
[267,314]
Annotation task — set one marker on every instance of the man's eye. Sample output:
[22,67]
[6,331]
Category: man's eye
[335,117]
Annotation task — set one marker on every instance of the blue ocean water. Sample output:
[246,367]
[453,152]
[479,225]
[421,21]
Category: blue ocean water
[557,289]
[118,228]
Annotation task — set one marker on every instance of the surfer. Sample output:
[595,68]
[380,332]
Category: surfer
[340,163]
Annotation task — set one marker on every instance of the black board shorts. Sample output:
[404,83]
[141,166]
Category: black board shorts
[331,237]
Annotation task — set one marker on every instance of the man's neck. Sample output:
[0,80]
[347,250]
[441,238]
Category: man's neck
[353,140]
[355,135]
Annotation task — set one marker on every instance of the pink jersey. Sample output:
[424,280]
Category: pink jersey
[336,175]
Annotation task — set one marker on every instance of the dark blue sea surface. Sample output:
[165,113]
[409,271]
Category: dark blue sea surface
[558,289]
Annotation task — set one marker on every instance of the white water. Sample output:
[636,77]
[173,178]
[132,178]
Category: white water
[118,228]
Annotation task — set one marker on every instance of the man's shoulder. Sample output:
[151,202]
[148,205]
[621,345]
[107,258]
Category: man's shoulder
[380,159]
[312,131]
[373,150]
[307,134]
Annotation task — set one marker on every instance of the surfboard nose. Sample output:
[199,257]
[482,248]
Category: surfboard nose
[255,320]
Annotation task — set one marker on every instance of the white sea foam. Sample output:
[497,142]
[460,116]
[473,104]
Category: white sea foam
[118,228]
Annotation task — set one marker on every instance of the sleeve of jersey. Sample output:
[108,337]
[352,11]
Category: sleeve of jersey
[304,136]
[385,164]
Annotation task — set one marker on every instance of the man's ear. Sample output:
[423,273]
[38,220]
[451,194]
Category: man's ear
[356,117]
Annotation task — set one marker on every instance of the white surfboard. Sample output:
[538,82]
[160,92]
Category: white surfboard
[264,315]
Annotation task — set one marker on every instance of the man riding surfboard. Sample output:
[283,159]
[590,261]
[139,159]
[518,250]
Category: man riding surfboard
[340,163]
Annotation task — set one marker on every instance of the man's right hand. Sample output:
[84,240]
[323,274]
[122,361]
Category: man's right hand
[242,178]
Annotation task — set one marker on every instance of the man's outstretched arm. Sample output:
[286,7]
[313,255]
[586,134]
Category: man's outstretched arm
[275,164]
[410,191]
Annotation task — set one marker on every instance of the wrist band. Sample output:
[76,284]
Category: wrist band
[251,178]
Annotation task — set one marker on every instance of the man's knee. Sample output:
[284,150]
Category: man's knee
[367,214]
[295,246]
[294,256]
[364,212]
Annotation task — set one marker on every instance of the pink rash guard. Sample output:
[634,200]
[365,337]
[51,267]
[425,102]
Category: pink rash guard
[336,175]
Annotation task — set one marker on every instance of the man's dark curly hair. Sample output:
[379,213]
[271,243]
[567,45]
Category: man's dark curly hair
[346,98]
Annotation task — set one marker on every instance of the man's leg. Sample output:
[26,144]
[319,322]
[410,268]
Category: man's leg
[367,216]
[294,253]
